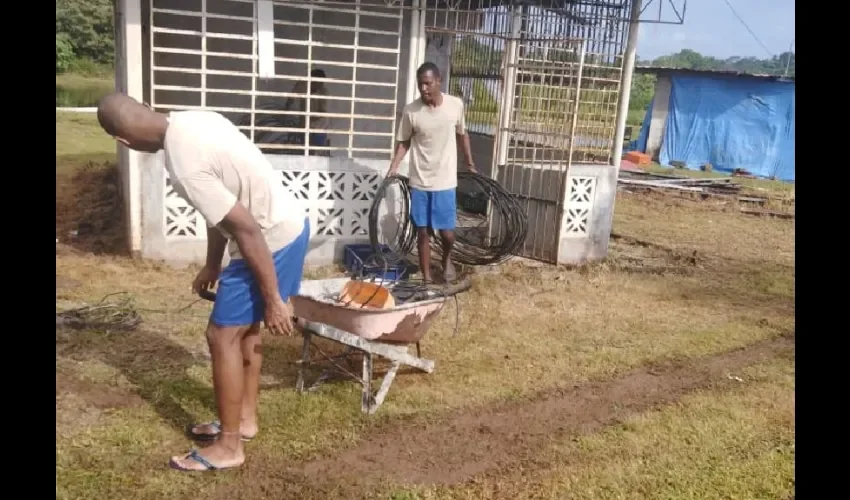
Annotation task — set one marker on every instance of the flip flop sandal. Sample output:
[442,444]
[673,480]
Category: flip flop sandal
[205,436]
[194,455]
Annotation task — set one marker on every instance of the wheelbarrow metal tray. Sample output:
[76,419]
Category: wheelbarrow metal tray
[403,324]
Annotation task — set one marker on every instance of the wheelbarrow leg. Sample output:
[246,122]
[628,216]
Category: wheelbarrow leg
[366,400]
[385,387]
[305,358]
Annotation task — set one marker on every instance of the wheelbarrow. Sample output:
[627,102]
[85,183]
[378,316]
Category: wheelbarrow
[385,332]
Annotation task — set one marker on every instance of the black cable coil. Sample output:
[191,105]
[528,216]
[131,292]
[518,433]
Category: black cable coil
[504,208]
[401,245]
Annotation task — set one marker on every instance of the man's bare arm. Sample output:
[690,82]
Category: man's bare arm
[401,149]
[463,142]
[245,230]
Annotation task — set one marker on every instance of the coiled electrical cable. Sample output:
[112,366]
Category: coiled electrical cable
[506,214]
[401,244]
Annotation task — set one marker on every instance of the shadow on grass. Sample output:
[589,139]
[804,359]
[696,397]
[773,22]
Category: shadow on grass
[156,366]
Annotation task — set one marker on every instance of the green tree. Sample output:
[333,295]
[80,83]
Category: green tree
[643,88]
[64,53]
[87,26]
[643,84]
[690,59]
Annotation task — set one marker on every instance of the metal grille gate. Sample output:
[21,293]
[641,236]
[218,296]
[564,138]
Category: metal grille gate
[539,136]
[550,102]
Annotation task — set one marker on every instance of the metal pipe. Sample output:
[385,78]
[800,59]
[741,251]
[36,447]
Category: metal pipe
[423,36]
[788,62]
[413,51]
[508,90]
[574,124]
[626,83]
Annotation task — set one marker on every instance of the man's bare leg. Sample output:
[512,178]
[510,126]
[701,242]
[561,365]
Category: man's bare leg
[229,384]
[448,238]
[424,247]
[252,360]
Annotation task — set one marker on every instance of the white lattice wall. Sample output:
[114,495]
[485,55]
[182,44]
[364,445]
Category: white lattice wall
[336,195]
[337,204]
[588,213]
[579,204]
[180,221]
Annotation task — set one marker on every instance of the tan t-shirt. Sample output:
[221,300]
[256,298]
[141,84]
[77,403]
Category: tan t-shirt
[433,146]
[213,165]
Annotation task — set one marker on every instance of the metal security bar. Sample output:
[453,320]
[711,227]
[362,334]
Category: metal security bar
[476,33]
[547,104]
[334,88]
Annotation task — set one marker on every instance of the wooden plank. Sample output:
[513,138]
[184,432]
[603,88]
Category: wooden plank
[660,185]
[753,211]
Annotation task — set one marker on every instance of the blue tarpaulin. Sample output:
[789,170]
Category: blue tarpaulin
[639,144]
[730,123]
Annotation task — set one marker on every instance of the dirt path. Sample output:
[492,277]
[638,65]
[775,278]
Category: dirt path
[487,440]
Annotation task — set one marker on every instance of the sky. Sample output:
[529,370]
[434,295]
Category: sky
[712,29]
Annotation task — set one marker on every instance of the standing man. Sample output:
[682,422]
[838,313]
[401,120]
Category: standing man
[223,175]
[318,107]
[431,128]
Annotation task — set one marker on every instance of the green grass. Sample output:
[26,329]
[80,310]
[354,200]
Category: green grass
[79,140]
[687,279]
[75,90]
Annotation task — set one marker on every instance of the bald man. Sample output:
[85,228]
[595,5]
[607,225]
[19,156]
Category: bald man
[223,175]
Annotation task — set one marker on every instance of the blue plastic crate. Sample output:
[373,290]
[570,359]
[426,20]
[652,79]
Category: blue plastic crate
[358,260]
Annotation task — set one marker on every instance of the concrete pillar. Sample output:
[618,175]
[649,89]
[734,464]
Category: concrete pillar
[129,79]
[417,38]
[626,83]
[658,118]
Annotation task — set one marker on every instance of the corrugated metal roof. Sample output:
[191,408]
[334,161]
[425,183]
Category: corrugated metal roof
[670,69]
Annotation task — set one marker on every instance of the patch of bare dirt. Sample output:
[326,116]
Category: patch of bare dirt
[89,212]
[639,256]
[485,441]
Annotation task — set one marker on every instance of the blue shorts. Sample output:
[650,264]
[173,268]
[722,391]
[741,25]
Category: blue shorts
[238,301]
[318,139]
[434,209]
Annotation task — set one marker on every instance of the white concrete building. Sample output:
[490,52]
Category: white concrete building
[544,125]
